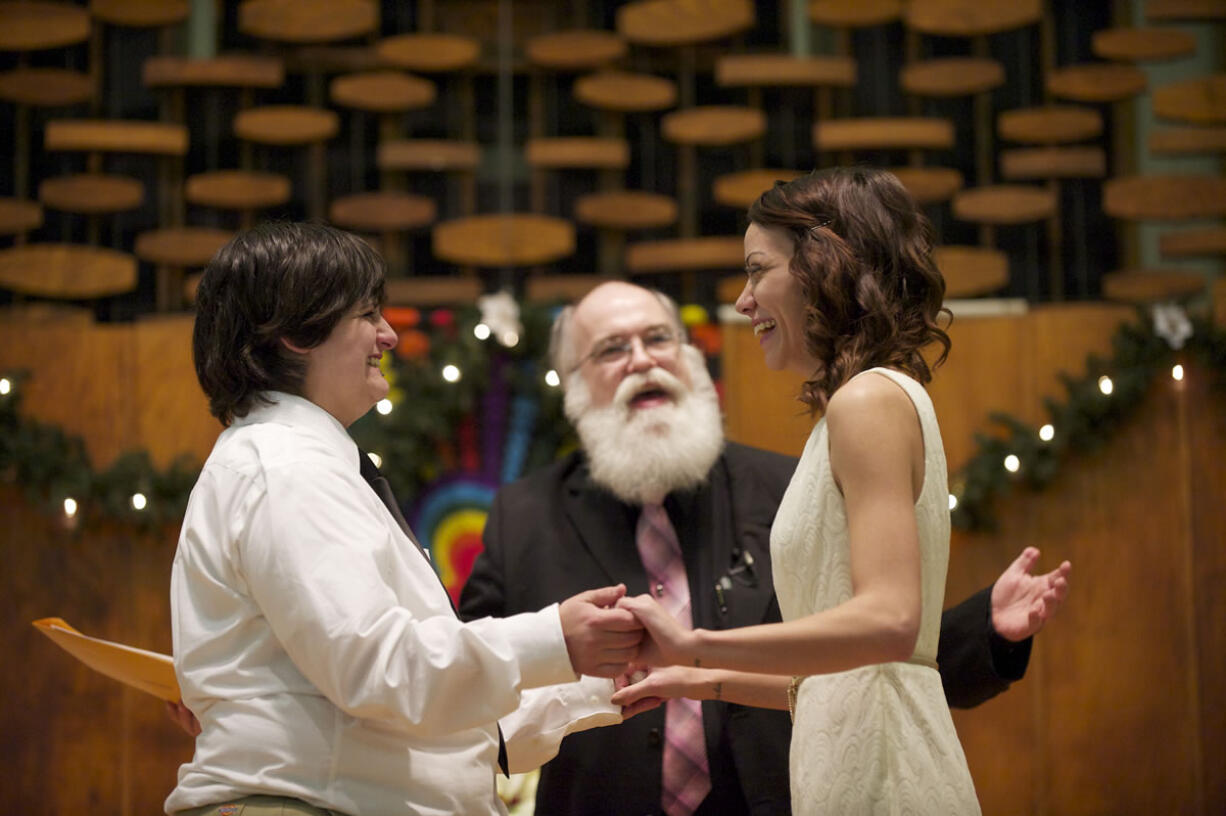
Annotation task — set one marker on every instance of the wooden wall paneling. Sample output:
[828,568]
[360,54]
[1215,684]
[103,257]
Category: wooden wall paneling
[81,377]
[1063,335]
[760,406]
[1118,720]
[987,370]
[1205,418]
[76,741]
[1000,738]
[166,386]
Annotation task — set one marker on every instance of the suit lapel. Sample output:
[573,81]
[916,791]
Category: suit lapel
[604,527]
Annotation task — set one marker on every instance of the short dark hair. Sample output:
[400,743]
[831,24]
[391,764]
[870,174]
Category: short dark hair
[278,280]
[863,258]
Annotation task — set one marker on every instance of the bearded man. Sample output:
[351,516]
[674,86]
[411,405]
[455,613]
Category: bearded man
[648,419]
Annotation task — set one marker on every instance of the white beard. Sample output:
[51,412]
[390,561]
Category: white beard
[642,455]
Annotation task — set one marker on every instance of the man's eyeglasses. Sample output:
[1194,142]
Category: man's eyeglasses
[657,341]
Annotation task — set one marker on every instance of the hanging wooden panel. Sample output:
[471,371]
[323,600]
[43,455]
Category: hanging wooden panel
[626,92]
[45,87]
[1142,44]
[67,271]
[1004,204]
[226,71]
[1198,242]
[742,189]
[575,50]
[1165,197]
[971,18]
[952,76]
[668,24]
[682,254]
[36,26]
[307,21]
[1099,82]
[237,190]
[971,271]
[1200,101]
[518,239]
[784,70]
[17,216]
[884,133]
[626,210]
[382,91]
[1052,124]
[929,185]
[1188,140]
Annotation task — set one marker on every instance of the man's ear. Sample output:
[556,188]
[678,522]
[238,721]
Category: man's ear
[285,341]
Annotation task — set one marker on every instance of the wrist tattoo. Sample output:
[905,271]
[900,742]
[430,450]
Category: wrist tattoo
[719,687]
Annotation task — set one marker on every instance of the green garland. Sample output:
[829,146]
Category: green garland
[1083,422]
[420,432]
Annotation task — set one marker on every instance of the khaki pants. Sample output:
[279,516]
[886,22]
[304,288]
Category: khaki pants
[260,806]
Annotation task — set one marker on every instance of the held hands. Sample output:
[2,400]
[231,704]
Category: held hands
[665,642]
[644,689]
[600,639]
[1021,602]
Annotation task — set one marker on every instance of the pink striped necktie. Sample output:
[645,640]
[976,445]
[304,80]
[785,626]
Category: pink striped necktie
[686,778]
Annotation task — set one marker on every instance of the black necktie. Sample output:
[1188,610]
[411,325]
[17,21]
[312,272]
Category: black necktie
[378,483]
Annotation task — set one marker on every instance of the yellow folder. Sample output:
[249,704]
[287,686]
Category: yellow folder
[150,672]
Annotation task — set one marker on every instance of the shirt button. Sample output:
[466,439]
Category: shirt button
[653,738]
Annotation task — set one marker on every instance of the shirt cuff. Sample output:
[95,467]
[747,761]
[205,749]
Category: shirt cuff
[540,646]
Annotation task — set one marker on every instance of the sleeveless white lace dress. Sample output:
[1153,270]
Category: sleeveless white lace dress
[877,739]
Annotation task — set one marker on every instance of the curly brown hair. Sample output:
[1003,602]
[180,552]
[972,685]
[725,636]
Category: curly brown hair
[863,258]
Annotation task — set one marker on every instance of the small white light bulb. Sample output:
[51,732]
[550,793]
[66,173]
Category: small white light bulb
[384,406]
[376,458]
[1177,373]
[552,379]
[1105,385]
[70,507]
[451,373]
[510,339]
[1012,463]
[6,385]
[481,331]
[953,502]
[139,502]
[1047,433]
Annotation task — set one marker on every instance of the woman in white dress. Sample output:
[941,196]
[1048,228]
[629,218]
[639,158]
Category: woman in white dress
[842,288]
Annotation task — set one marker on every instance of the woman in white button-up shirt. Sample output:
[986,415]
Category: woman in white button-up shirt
[312,639]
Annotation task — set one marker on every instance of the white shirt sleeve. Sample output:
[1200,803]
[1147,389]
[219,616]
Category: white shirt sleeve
[534,731]
[364,619]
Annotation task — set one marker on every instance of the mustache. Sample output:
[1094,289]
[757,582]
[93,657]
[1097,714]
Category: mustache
[657,377]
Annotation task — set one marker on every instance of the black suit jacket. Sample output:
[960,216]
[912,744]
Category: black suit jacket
[554,533]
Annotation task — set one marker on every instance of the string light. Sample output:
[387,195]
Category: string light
[481,331]
[1047,433]
[6,385]
[376,458]
[139,502]
[953,502]
[552,379]
[1012,463]
[384,406]
[1105,385]
[451,373]
[509,339]
[70,507]
[1177,373]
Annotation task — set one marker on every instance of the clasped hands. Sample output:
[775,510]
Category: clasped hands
[611,635]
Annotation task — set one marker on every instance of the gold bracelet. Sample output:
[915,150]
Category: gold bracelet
[793,690]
